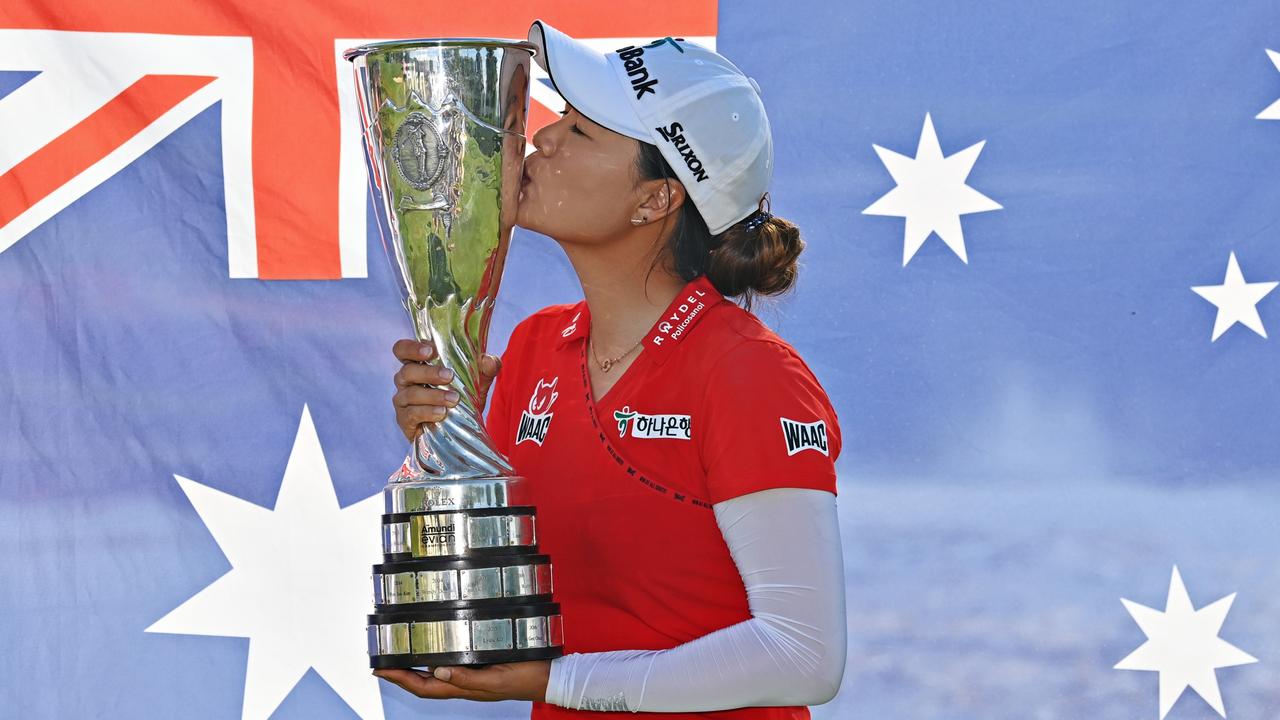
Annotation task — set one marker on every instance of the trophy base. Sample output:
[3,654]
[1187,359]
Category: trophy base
[473,581]
[470,659]
[482,604]
[482,553]
[429,494]
[465,636]
[457,533]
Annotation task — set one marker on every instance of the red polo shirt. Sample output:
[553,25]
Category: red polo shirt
[714,406]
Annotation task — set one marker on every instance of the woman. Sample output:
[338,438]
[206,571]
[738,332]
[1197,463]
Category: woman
[681,454]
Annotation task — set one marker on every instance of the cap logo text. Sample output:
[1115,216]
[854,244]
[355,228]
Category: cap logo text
[633,60]
[674,134]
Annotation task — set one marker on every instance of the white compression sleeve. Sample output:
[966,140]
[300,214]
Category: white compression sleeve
[786,545]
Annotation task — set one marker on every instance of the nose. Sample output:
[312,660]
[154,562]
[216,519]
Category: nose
[545,139]
[541,140]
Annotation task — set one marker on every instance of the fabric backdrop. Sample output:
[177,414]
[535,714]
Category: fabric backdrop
[1042,244]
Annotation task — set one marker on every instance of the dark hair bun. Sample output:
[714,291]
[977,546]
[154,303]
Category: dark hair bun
[756,258]
[750,258]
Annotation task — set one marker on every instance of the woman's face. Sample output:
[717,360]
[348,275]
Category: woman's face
[580,184]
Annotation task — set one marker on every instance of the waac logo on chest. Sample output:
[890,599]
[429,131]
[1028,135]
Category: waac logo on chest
[535,421]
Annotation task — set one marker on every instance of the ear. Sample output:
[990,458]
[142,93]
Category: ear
[660,198]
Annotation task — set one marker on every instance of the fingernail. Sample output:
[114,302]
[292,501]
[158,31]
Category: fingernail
[437,413]
[451,396]
[443,673]
[447,374]
[425,350]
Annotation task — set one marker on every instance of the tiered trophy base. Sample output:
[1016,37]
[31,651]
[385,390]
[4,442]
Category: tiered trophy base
[465,636]
[463,585]
[466,659]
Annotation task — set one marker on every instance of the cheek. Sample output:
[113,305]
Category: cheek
[579,197]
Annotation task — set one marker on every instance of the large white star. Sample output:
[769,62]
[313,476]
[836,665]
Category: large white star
[299,584]
[1236,299]
[1273,110]
[1183,646]
[931,193]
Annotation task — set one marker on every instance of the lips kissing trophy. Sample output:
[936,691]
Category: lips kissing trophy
[461,582]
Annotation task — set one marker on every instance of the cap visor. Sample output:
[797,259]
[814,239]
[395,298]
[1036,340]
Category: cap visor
[584,79]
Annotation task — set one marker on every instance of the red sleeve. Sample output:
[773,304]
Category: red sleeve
[767,423]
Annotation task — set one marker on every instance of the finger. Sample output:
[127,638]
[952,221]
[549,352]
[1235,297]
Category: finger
[419,395]
[414,415]
[408,680]
[414,373]
[490,365]
[424,685]
[410,430]
[407,350]
[487,679]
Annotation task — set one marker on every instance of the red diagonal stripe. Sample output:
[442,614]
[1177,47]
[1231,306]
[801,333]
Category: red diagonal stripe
[295,125]
[73,152]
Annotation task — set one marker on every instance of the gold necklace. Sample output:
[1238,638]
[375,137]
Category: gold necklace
[608,364]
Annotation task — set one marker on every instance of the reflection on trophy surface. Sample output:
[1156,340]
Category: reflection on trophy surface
[461,580]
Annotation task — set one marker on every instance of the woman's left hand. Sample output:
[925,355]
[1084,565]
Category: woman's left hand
[504,681]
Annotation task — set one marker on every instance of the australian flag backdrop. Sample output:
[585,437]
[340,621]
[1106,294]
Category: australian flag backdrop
[1040,287]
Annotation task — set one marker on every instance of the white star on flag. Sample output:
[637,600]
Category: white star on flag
[931,193]
[1273,111]
[1236,299]
[299,586]
[1183,646]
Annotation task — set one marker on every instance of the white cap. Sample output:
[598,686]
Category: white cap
[701,111]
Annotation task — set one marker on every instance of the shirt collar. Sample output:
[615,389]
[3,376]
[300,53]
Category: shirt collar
[681,316]
[578,326]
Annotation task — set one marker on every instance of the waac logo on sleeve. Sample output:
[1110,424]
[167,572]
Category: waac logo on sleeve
[804,436]
[535,421]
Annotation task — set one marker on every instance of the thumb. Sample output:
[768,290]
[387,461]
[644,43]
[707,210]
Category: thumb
[461,677]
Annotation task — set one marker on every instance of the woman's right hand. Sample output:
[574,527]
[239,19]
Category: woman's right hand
[415,400]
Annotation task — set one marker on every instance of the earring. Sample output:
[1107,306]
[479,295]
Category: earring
[639,220]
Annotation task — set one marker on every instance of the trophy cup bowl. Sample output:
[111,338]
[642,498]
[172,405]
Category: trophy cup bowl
[462,581]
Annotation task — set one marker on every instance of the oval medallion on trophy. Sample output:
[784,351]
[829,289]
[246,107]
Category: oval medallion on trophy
[419,152]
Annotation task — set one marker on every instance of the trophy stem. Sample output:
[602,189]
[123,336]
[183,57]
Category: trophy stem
[452,449]
[456,447]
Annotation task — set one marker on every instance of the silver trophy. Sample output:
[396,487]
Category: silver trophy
[461,580]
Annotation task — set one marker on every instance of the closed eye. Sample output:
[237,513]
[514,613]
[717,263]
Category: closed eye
[575,127]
